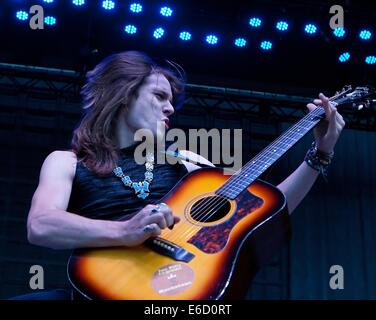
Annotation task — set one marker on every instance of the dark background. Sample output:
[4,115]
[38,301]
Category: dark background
[82,36]
[335,223]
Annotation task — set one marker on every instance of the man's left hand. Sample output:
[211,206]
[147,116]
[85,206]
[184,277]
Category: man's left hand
[327,132]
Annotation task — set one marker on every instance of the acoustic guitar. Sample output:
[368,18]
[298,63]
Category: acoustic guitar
[230,226]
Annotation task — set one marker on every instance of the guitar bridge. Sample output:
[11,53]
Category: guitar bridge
[169,249]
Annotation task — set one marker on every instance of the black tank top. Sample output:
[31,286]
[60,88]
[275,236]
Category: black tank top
[108,198]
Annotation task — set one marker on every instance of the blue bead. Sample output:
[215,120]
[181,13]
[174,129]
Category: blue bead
[148,175]
[118,171]
[127,181]
[142,195]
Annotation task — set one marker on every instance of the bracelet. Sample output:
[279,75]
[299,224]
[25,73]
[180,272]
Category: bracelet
[319,160]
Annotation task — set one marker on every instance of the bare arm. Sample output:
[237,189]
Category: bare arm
[326,134]
[297,184]
[50,225]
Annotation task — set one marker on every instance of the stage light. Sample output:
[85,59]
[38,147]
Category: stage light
[282,25]
[310,28]
[212,39]
[48,1]
[166,11]
[135,7]
[158,33]
[22,15]
[365,34]
[255,22]
[50,20]
[240,42]
[266,45]
[344,57]
[370,60]
[108,5]
[78,2]
[339,32]
[184,35]
[130,29]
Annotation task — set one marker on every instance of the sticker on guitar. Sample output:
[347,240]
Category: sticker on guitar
[172,279]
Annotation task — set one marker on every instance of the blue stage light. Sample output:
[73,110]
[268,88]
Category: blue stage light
[48,1]
[212,39]
[50,20]
[339,32]
[310,28]
[108,5]
[130,29]
[166,11]
[266,45]
[78,2]
[255,22]
[365,34]
[240,42]
[185,35]
[158,33]
[344,57]
[136,7]
[370,60]
[282,25]
[22,15]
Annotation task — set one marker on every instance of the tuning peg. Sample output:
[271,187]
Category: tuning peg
[363,105]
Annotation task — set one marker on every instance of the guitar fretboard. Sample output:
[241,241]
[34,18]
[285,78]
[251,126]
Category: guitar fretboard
[267,157]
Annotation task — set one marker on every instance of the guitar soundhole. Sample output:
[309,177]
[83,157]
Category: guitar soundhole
[210,209]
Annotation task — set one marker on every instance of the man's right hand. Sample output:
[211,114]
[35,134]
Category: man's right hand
[147,223]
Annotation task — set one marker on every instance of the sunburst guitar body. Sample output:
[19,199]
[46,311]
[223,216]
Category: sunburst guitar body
[212,253]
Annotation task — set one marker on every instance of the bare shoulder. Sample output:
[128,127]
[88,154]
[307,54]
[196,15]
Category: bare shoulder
[194,158]
[55,182]
[59,163]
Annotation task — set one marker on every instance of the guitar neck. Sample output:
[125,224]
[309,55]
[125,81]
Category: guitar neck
[268,156]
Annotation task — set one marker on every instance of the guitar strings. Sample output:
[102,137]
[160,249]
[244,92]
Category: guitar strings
[287,134]
[220,203]
[316,112]
[217,202]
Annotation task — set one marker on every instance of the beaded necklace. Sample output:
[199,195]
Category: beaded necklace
[140,188]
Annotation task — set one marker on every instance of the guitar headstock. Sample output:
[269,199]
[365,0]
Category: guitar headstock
[357,96]
[341,93]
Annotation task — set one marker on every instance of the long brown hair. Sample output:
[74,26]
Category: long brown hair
[107,92]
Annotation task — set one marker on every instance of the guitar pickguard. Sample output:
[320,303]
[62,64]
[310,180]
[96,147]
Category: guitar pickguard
[212,239]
